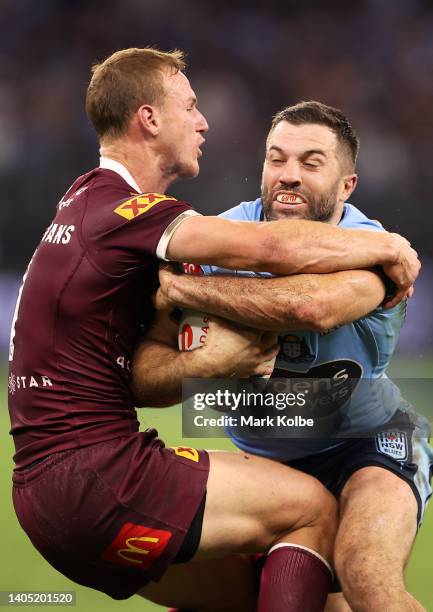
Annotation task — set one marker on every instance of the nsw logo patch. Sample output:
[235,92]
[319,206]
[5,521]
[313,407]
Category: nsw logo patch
[393,444]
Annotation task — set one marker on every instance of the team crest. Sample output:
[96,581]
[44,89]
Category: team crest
[295,349]
[393,444]
[138,205]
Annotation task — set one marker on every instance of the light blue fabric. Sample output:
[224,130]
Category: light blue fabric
[361,349]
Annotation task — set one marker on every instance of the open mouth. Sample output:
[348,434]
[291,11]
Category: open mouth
[200,144]
[290,198]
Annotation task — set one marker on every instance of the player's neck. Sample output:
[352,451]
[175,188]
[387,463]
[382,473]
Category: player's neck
[337,214]
[143,165]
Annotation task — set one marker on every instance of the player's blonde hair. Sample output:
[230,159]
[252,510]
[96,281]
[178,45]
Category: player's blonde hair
[123,82]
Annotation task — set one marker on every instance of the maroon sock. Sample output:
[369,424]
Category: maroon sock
[294,579]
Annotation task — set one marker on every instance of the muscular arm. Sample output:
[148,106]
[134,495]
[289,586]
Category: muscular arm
[292,247]
[317,302]
[155,358]
[158,367]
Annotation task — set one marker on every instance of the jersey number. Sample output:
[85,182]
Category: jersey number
[17,306]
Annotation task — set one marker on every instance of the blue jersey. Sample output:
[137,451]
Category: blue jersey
[359,350]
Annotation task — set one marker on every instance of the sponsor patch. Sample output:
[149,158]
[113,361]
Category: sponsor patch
[192,269]
[393,444]
[12,384]
[186,337]
[330,385]
[139,205]
[187,452]
[137,546]
[193,330]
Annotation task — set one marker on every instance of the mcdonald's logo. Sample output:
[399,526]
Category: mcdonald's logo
[187,452]
[137,546]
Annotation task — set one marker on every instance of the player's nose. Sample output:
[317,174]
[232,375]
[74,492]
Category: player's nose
[291,173]
[202,124]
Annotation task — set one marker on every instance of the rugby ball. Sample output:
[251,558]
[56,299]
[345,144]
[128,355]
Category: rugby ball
[193,329]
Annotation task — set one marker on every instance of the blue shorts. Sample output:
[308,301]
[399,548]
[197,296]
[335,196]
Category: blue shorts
[396,446]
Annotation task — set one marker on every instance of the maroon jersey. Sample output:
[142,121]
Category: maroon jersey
[85,295]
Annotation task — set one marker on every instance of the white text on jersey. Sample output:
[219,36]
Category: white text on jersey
[58,234]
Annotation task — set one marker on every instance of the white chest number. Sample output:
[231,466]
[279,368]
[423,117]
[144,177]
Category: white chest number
[17,307]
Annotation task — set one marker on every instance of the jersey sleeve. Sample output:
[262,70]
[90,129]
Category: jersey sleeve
[353,218]
[383,327]
[245,211]
[124,233]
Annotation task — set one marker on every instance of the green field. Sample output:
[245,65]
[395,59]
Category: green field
[24,569]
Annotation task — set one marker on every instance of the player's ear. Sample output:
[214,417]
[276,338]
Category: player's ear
[348,186]
[148,119]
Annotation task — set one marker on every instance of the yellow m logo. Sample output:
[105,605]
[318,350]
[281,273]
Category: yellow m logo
[124,553]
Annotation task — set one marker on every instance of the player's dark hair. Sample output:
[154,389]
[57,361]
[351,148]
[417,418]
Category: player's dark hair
[316,112]
[123,82]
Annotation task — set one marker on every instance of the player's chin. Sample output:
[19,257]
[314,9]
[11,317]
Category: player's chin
[190,171]
[288,212]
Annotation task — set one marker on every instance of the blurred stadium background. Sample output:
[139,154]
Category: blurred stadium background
[371,58]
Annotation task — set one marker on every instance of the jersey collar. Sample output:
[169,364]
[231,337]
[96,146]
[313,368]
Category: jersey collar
[110,164]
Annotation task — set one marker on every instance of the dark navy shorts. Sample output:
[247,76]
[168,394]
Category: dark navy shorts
[397,447]
[114,515]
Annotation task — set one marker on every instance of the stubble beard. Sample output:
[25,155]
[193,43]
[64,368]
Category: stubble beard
[319,208]
[175,168]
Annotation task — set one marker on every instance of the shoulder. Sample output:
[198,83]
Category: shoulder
[117,218]
[114,202]
[354,218]
[245,211]
[141,203]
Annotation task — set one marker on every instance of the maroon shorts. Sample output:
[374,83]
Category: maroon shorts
[114,515]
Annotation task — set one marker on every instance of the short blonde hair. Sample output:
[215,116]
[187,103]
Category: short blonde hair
[123,82]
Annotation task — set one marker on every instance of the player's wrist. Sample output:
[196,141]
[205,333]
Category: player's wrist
[379,247]
[176,290]
[201,363]
[388,253]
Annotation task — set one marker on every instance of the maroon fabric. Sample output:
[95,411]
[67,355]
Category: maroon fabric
[122,509]
[87,291]
[293,579]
